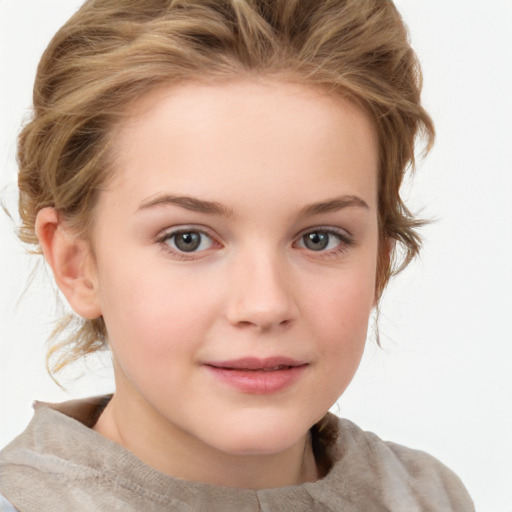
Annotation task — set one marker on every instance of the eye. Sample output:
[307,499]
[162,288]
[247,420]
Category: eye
[322,240]
[187,241]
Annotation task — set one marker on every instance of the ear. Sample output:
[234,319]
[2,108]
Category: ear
[71,261]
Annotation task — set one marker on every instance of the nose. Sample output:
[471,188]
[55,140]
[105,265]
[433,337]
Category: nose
[261,293]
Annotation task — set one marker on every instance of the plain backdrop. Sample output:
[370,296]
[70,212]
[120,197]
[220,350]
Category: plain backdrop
[443,380]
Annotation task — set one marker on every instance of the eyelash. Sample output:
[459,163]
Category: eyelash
[183,255]
[345,242]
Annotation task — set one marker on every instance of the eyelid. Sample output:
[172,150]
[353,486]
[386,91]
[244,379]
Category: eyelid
[169,232]
[341,232]
[346,239]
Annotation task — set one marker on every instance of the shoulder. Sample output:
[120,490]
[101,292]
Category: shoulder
[394,474]
[416,464]
[50,454]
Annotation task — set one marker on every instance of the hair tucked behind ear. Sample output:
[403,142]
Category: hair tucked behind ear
[111,52]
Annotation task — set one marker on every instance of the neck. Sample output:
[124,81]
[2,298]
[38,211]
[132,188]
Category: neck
[172,451]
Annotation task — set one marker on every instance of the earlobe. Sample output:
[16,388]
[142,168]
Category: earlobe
[71,262]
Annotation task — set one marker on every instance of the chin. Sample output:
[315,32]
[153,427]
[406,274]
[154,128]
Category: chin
[259,437]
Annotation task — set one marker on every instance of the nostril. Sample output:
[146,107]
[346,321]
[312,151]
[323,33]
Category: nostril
[245,323]
[263,326]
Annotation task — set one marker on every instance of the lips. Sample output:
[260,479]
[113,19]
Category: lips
[258,376]
[255,364]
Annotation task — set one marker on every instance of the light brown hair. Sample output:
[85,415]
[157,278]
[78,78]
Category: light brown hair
[111,52]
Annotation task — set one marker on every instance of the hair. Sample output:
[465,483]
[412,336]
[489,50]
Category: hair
[112,52]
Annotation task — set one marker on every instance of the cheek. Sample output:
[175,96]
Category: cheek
[343,328]
[342,311]
[153,312]
[338,322]
[154,330]
[345,332]
[343,305]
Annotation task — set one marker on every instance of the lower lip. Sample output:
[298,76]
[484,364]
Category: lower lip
[258,382]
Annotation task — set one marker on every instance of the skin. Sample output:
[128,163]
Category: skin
[263,152]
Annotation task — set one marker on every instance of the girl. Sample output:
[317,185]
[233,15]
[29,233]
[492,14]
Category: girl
[215,186]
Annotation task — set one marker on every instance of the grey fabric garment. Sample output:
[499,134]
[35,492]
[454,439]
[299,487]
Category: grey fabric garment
[62,465]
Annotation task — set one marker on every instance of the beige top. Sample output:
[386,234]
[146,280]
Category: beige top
[60,464]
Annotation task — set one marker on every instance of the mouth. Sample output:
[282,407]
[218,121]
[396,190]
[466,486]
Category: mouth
[253,364]
[258,376]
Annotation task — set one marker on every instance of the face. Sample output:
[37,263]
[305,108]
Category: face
[235,260]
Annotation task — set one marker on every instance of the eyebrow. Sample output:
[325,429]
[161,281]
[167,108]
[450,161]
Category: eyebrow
[189,203]
[335,204]
[215,208]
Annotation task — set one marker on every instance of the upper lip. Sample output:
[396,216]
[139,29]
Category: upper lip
[255,363]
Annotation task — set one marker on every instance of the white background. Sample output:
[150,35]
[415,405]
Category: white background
[443,381]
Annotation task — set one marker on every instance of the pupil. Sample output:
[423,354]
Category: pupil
[187,242]
[316,241]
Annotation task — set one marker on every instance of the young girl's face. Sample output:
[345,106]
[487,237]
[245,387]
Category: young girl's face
[235,260]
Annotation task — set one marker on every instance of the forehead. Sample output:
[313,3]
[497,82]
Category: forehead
[259,134]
